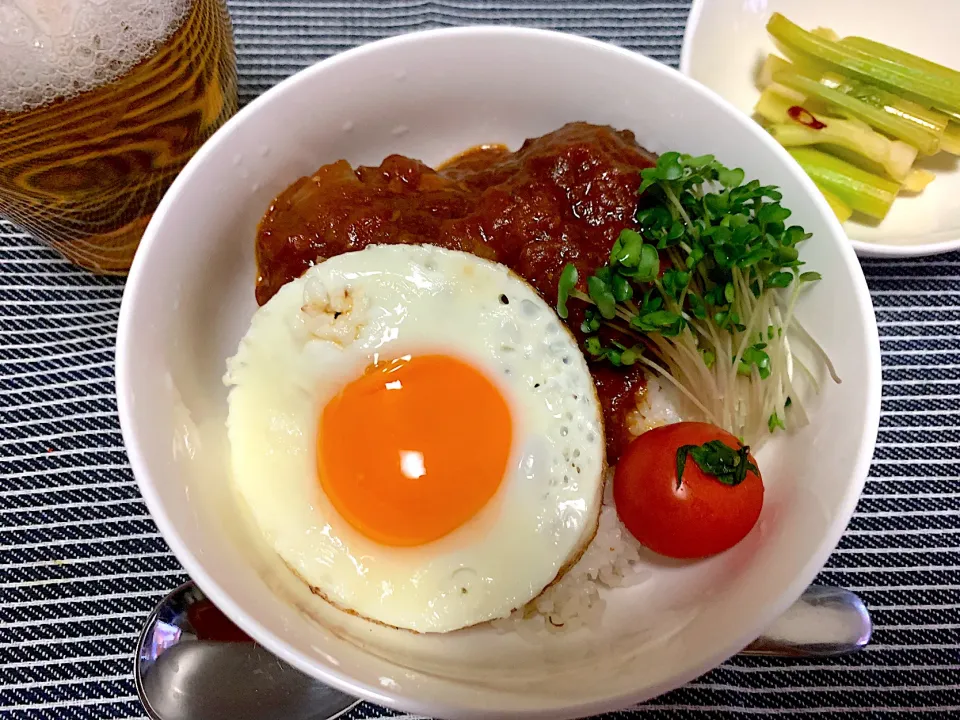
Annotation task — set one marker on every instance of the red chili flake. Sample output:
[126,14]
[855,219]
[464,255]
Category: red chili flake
[805,117]
[49,450]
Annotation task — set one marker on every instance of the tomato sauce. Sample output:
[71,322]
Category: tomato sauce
[561,198]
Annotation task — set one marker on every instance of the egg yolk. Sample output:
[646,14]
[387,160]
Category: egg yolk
[413,448]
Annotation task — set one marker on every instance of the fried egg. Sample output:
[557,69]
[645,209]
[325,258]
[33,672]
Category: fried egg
[417,436]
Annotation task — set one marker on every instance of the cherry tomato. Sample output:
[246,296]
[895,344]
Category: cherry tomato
[700,517]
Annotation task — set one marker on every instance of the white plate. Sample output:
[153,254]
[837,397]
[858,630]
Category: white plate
[189,299]
[726,39]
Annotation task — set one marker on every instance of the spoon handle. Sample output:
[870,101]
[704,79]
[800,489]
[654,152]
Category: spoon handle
[825,621]
[194,664]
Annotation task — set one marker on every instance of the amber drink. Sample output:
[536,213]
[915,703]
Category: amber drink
[102,102]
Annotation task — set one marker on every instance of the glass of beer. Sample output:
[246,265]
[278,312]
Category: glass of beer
[102,102]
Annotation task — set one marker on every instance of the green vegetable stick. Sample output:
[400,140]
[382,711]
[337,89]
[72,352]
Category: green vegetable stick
[921,138]
[774,64]
[889,102]
[894,57]
[825,33]
[954,116]
[839,207]
[774,107]
[896,157]
[910,80]
[951,139]
[862,191]
[792,125]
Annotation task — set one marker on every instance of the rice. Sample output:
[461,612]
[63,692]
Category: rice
[659,405]
[612,558]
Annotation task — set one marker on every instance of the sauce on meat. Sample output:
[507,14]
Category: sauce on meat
[472,160]
[561,198]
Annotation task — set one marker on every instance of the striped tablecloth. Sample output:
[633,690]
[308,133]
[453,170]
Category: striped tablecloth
[81,563]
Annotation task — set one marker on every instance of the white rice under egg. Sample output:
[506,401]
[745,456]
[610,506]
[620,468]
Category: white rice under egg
[610,560]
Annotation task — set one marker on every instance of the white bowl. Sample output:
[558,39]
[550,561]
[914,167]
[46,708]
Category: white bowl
[726,39]
[190,297]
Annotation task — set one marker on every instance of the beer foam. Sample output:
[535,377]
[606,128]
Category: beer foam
[51,49]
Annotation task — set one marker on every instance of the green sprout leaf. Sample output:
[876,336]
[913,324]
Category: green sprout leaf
[669,166]
[779,279]
[728,293]
[602,294]
[591,321]
[630,355]
[648,266]
[568,281]
[626,249]
[775,422]
[622,289]
[700,161]
[755,356]
[675,282]
[730,178]
[658,321]
[593,346]
[697,307]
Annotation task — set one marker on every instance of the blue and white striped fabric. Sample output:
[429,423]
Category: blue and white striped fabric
[81,563]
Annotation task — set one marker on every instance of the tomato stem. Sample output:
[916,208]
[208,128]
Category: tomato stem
[718,459]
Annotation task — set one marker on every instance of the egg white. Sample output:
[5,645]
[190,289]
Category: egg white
[321,331]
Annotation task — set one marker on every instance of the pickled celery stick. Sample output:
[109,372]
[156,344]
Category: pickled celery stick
[894,57]
[950,142]
[921,138]
[933,120]
[915,82]
[954,116]
[895,156]
[907,110]
[858,160]
[862,191]
[793,125]
[839,207]
[916,180]
[774,64]
[782,91]
[825,33]
[774,107]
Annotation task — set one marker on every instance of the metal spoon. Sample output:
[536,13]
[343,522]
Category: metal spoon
[192,663]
